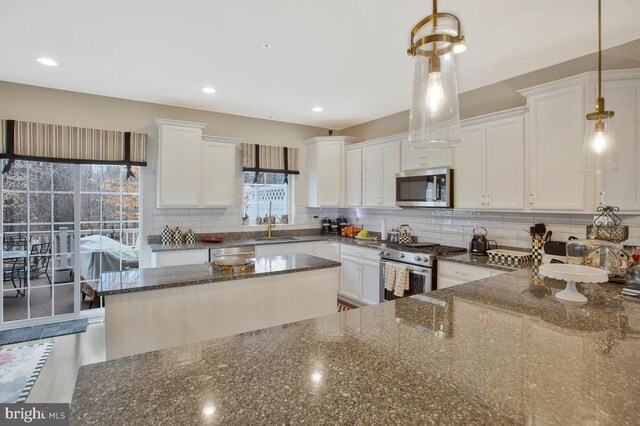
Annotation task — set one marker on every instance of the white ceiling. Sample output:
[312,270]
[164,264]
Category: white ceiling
[347,56]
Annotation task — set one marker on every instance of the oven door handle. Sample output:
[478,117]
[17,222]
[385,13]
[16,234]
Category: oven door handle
[419,271]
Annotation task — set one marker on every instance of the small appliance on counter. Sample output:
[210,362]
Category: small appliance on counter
[326,226]
[480,243]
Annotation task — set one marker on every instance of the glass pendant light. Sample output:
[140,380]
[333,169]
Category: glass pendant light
[434,121]
[599,148]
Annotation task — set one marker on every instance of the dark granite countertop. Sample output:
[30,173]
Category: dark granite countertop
[177,276]
[497,351]
[479,261]
[243,242]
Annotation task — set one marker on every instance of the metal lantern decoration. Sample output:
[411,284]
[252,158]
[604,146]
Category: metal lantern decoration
[599,146]
[434,121]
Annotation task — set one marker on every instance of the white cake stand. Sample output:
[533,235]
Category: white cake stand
[572,274]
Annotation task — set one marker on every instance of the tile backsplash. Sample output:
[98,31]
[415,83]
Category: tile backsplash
[444,226]
[455,227]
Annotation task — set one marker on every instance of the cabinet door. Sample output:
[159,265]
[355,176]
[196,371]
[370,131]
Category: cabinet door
[423,158]
[505,164]
[622,186]
[390,166]
[350,277]
[329,173]
[354,177]
[555,156]
[179,178]
[219,160]
[372,176]
[370,282]
[469,175]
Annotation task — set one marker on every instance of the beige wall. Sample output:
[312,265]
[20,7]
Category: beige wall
[503,95]
[31,103]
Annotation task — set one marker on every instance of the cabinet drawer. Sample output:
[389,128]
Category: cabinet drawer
[462,273]
[364,253]
[182,257]
[445,282]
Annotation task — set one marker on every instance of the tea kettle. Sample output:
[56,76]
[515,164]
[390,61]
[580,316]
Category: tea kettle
[480,244]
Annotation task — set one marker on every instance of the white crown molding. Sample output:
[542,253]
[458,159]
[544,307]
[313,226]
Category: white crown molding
[169,122]
[498,115]
[585,77]
[223,139]
[386,139]
[345,139]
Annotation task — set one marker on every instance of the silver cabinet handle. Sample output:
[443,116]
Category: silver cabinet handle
[602,195]
[488,200]
[482,198]
[531,198]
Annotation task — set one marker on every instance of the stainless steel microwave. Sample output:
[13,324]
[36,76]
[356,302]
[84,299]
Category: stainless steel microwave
[425,188]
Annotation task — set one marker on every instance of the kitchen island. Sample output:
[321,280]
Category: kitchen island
[155,308]
[501,350]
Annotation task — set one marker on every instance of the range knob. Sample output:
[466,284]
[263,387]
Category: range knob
[401,256]
[418,259]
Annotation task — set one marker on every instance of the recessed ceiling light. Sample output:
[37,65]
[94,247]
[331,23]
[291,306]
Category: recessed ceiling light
[266,46]
[317,109]
[47,61]
[208,90]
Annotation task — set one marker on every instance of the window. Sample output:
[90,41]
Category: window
[268,191]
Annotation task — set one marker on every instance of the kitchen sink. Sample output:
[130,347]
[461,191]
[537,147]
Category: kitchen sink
[276,239]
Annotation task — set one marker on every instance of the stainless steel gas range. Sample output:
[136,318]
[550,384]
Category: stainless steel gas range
[420,261]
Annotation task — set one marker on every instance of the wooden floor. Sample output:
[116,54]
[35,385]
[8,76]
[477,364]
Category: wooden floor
[15,308]
[58,377]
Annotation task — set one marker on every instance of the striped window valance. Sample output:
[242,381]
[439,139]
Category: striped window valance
[270,159]
[23,140]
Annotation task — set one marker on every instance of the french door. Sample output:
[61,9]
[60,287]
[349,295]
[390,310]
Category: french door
[62,226]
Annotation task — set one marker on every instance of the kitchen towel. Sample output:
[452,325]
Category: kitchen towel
[389,276]
[402,281]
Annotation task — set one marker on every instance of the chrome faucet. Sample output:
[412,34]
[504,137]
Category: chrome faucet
[270,223]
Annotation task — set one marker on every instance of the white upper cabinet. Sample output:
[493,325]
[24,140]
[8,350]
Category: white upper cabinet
[621,187]
[556,127]
[326,166]
[468,173]
[380,163]
[505,164]
[354,177]
[179,163]
[194,171]
[423,158]
[489,166]
[371,176]
[219,171]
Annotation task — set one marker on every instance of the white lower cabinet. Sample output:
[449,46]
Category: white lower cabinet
[359,275]
[180,257]
[451,274]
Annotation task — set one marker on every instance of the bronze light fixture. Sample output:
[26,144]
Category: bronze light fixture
[434,121]
[599,146]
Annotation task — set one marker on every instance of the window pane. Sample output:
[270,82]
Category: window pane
[40,208]
[131,185]
[111,207]
[90,207]
[15,207]
[63,175]
[90,178]
[130,207]
[39,176]
[16,179]
[63,208]
[111,178]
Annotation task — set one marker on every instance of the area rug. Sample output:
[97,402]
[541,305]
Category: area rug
[19,369]
[26,334]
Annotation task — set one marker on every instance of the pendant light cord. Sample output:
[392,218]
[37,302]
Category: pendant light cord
[599,49]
